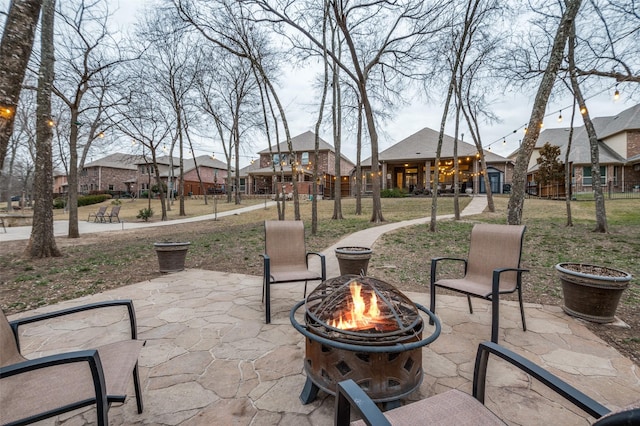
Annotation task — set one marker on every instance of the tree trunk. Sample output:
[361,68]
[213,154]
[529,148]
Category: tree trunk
[73,231]
[358,162]
[516,201]
[567,167]
[337,142]
[42,242]
[15,50]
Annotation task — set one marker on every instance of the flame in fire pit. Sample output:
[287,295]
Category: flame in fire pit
[358,317]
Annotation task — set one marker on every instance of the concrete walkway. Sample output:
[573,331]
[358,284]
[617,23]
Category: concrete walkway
[211,360]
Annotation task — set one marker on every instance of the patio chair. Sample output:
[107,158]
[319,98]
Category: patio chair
[99,215]
[36,389]
[286,259]
[454,407]
[114,213]
[491,268]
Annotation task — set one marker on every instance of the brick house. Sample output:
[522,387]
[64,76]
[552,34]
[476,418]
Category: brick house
[213,174]
[276,166]
[619,151]
[113,173]
[410,165]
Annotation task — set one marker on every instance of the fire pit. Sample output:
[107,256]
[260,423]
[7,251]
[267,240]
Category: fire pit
[363,329]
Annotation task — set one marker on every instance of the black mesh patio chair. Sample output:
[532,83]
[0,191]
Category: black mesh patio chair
[458,408]
[35,389]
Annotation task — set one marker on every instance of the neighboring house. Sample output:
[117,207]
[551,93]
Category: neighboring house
[276,167]
[113,173]
[60,183]
[410,165]
[212,172]
[618,146]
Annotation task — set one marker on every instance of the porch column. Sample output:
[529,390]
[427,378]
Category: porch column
[384,175]
[426,177]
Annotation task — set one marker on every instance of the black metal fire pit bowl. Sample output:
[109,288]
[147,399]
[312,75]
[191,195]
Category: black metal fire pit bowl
[387,369]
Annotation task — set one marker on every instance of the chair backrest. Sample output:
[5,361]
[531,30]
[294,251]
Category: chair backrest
[115,211]
[101,211]
[493,247]
[284,243]
[9,353]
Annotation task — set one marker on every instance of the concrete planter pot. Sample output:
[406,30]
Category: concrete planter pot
[353,260]
[171,255]
[591,292]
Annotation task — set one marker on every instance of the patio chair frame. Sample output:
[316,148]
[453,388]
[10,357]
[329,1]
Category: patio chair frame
[493,295]
[99,215]
[350,395]
[268,275]
[102,400]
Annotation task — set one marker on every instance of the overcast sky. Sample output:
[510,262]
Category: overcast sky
[513,109]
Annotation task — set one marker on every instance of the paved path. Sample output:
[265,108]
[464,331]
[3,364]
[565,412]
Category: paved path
[61,227]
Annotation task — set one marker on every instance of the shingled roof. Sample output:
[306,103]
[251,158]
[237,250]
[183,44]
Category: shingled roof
[423,144]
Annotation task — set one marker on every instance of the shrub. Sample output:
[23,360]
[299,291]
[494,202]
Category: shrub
[59,203]
[116,202]
[392,193]
[85,200]
[145,214]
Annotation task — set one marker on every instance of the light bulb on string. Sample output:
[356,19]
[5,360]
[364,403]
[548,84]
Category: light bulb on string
[504,142]
[616,94]
[560,117]
[583,110]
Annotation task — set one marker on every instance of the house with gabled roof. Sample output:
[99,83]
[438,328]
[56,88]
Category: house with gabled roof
[113,173]
[618,146]
[127,173]
[277,166]
[410,165]
[212,172]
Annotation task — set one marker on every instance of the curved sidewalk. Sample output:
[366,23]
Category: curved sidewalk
[367,237]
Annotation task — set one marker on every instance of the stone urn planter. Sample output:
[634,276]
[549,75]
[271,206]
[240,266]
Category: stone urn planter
[591,292]
[353,260]
[171,255]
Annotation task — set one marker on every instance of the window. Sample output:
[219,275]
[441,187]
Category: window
[304,158]
[586,175]
[616,174]
[110,187]
[281,159]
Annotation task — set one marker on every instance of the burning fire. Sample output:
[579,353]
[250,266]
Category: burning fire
[358,317]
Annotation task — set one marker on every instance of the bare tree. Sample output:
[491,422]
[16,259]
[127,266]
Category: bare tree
[85,76]
[15,50]
[42,242]
[601,216]
[516,201]
[384,40]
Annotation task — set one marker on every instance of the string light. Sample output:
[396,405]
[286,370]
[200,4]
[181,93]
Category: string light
[583,110]
[616,96]
[7,111]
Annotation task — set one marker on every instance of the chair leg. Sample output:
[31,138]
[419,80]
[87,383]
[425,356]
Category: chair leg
[469,302]
[136,384]
[495,318]
[304,296]
[432,306]
[267,302]
[524,323]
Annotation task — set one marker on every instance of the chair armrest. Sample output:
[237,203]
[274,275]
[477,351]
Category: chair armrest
[436,260]
[97,373]
[98,305]
[350,394]
[556,384]
[323,262]
[498,272]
